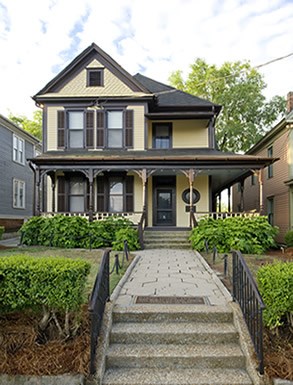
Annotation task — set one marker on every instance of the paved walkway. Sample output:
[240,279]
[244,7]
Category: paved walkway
[173,273]
[10,242]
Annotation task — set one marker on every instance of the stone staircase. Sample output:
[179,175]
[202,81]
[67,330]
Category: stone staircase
[168,239]
[174,345]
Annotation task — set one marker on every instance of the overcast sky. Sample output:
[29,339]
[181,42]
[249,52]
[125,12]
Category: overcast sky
[38,38]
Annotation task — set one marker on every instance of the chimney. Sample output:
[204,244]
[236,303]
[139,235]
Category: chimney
[289,102]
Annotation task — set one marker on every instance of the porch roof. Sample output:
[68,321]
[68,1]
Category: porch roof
[223,167]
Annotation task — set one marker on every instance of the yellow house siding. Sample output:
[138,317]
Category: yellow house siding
[185,133]
[77,86]
[52,127]
[201,183]
[138,192]
[139,121]
[150,201]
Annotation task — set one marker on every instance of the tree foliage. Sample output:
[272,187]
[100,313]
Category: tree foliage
[238,87]
[34,126]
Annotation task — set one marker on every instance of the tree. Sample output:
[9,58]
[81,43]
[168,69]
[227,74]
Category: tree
[34,126]
[246,114]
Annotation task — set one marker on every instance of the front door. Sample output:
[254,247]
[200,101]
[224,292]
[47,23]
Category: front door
[164,203]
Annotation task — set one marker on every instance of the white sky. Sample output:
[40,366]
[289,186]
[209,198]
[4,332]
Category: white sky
[38,38]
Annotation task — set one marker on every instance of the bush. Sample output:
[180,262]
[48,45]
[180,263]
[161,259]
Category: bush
[2,229]
[129,234]
[32,282]
[275,284]
[289,238]
[52,285]
[31,231]
[251,235]
[73,232]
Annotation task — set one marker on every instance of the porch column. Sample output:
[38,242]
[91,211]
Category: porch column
[53,185]
[242,196]
[229,199]
[38,192]
[220,202]
[259,174]
[144,189]
[91,200]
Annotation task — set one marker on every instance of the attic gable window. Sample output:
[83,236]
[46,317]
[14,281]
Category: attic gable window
[95,77]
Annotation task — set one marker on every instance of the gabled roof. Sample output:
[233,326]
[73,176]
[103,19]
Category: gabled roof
[93,51]
[8,124]
[168,96]
[281,125]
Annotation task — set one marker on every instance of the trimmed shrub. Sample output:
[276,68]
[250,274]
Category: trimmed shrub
[2,229]
[251,235]
[29,282]
[31,231]
[289,238]
[275,283]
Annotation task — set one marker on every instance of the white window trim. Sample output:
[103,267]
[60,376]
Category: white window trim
[16,157]
[17,205]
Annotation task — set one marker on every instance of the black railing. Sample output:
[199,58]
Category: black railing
[100,295]
[246,293]
[141,226]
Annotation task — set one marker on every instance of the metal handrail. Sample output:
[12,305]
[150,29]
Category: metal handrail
[100,295]
[141,225]
[246,293]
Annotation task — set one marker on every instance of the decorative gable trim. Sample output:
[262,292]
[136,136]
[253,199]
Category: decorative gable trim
[81,61]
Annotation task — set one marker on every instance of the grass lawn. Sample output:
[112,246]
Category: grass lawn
[92,256]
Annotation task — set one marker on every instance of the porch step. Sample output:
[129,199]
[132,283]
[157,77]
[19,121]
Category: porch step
[154,239]
[126,376]
[174,345]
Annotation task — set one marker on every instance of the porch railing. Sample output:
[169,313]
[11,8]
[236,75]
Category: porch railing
[221,215]
[135,217]
[246,293]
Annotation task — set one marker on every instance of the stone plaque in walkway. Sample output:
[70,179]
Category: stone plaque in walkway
[164,300]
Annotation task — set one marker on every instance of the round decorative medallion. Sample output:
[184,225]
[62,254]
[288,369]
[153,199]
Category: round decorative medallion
[186,196]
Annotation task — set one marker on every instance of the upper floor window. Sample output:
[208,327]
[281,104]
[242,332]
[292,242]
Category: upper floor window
[115,129]
[18,149]
[18,194]
[270,167]
[95,77]
[270,210]
[75,127]
[162,135]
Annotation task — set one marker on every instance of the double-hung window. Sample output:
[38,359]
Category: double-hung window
[162,135]
[115,129]
[18,149]
[18,194]
[270,167]
[75,127]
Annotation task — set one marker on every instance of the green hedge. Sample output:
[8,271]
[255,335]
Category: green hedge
[275,283]
[29,282]
[289,238]
[78,232]
[2,229]
[251,235]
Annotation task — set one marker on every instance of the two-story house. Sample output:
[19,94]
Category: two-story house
[277,178]
[116,143]
[16,177]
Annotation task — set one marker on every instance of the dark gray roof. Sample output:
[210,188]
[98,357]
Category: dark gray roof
[168,96]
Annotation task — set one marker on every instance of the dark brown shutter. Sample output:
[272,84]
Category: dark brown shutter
[129,128]
[61,129]
[100,129]
[62,198]
[89,141]
[129,186]
[101,194]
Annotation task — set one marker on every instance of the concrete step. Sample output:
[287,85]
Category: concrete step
[229,356]
[166,234]
[167,245]
[172,313]
[176,377]
[173,333]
